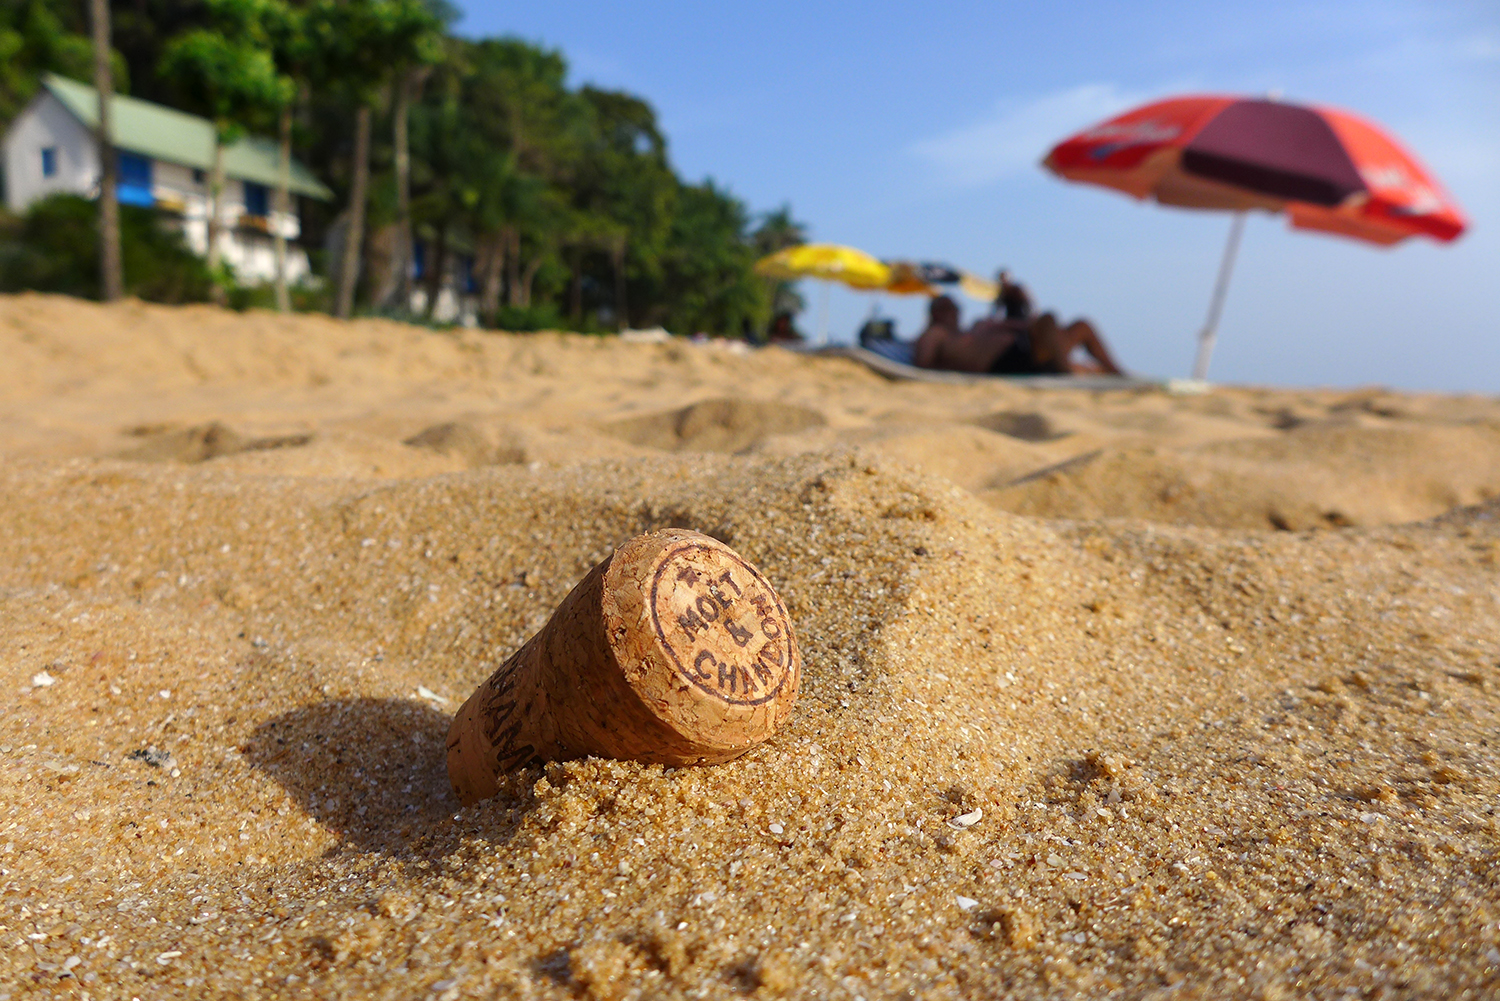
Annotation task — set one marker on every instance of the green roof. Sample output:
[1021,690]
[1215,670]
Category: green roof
[174,136]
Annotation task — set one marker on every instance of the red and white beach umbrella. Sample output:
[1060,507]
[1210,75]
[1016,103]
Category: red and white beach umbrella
[1326,169]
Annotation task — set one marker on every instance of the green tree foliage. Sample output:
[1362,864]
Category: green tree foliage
[568,203]
[232,78]
[778,231]
[55,248]
[38,36]
[370,44]
[708,284]
[561,202]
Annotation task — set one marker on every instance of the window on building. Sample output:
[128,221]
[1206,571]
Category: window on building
[257,199]
[49,161]
[135,179]
[199,176]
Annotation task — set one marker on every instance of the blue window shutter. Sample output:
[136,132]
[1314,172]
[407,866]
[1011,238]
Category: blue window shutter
[134,179]
[49,161]
[257,199]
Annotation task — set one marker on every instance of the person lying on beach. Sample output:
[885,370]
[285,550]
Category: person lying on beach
[942,327]
[1013,300]
[781,330]
[1000,346]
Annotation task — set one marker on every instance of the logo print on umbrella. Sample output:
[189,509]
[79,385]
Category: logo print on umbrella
[1392,179]
[1128,134]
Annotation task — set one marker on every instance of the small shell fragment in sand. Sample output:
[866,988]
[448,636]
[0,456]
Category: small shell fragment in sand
[776,829]
[42,679]
[965,820]
[965,903]
[427,693]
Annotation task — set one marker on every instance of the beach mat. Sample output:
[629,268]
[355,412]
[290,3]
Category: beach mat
[900,371]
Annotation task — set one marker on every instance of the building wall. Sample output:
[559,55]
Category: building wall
[244,242]
[47,123]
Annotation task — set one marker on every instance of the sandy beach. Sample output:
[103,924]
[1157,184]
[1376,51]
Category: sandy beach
[1105,694]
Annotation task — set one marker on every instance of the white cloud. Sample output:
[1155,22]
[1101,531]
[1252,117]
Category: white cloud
[1016,135]
[1484,48]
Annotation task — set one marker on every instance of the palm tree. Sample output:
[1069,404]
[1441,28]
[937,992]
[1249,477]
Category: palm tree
[375,38]
[778,231]
[283,29]
[234,80]
[111,274]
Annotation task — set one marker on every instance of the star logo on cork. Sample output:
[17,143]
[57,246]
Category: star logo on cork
[722,625]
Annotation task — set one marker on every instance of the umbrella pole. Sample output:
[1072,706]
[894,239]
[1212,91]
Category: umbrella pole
[823,316]
[1216,306]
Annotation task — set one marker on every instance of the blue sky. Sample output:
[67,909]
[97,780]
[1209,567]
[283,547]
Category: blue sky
[915,130]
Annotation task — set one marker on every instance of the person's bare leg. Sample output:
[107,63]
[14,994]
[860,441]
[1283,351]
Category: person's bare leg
[1069,339]
[1049,346]
[1081,333]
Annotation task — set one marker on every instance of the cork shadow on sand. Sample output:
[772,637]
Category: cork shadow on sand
[369,770]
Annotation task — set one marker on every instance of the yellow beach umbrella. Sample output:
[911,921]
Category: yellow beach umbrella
[828,262]
[907,279]
[925,278]
[978,288]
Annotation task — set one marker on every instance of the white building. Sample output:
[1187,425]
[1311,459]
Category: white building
[164,157]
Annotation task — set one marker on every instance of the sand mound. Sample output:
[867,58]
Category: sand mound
[466,442]
[1314,476]
[723,425]
[1027,426]
[194,444]
[202,442]
[971,457]
[1033,757]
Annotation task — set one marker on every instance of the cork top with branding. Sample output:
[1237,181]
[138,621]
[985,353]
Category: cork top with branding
[703,639]
[698,605]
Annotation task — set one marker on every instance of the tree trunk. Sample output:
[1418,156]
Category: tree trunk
[435,273]
[575,290]
[512,237]
[622,320]
[282,209]
[532,267]
[111,274]
[492,270]
[354,233]
[215,211]
[401,258]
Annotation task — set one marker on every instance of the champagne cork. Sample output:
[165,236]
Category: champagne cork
[672,650]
